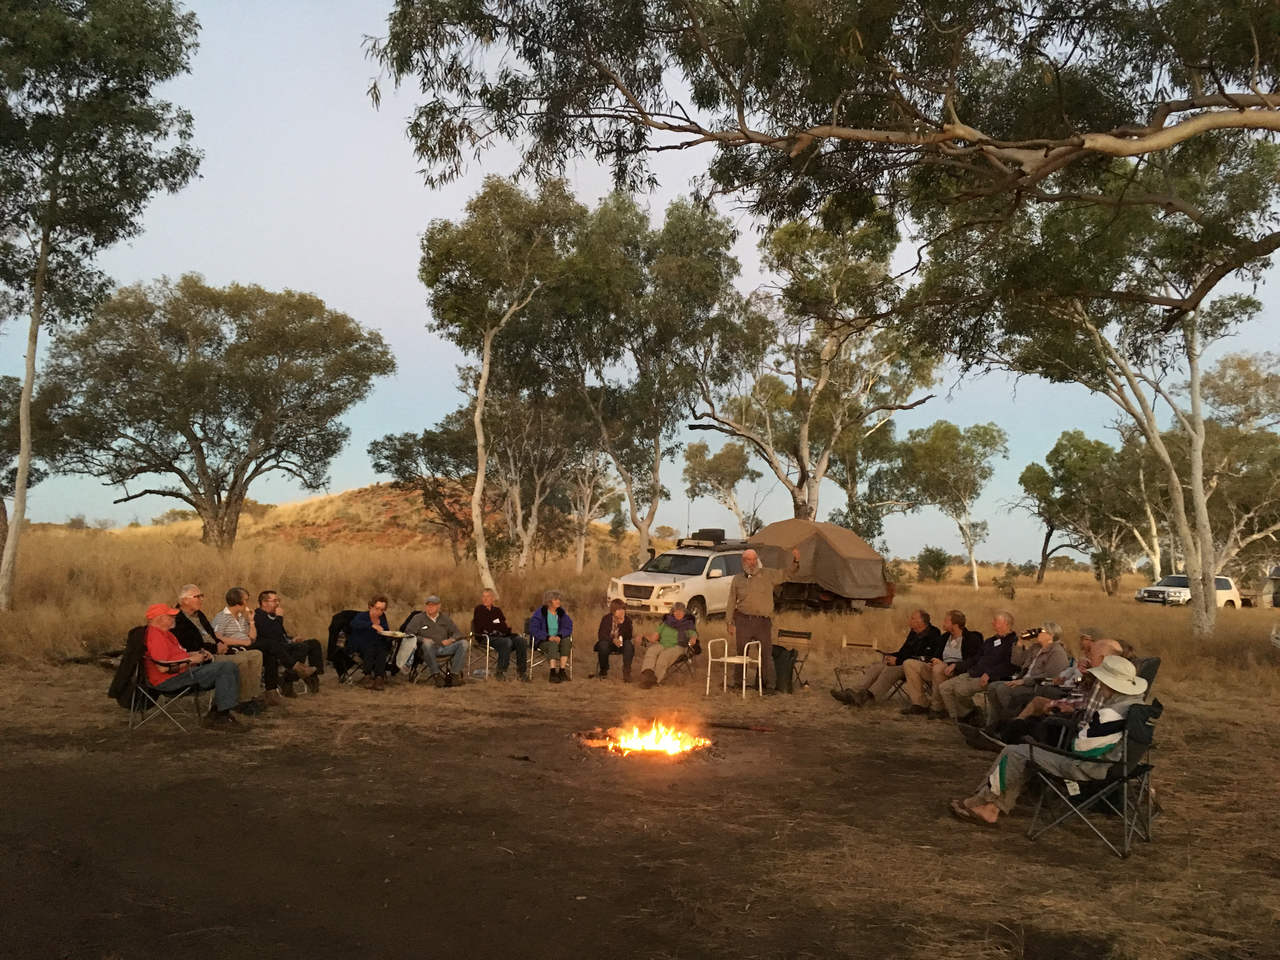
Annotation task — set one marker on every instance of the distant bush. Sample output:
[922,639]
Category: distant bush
[933,564]
[77,522]
[174,516]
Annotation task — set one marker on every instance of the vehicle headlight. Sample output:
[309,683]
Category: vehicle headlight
[614,586]
[668,591]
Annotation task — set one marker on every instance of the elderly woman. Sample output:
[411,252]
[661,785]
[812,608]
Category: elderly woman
[1039,656]
[552,632]
[1116,688]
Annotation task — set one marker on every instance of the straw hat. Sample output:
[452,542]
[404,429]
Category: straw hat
[1118,674]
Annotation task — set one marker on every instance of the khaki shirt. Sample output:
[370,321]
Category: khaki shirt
[753,594]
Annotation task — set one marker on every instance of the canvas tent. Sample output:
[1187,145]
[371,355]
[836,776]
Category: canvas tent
[833,558]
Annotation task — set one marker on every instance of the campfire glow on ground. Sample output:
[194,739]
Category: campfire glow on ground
[659,738]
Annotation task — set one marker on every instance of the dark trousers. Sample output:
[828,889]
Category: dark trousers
[605,649]
[278,654]
[746,628]
[503,645]
[375,654]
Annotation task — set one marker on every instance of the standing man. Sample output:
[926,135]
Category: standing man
[923,643]
[488,621]
[614,635]
[749,615]
[195,632]
[304,659]
[995,662]
[439,638]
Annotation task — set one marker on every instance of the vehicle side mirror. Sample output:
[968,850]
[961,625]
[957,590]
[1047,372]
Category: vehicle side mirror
[715,574]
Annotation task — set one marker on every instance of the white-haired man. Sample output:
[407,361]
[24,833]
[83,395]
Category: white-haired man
[750,612]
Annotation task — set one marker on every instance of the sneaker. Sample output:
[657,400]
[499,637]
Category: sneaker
[648,679]
[437,679]
[861,698]
[599,676]
[914,710]
[272,698]
[312,683]
[844,696]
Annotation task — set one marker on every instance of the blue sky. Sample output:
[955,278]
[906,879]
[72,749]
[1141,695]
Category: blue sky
[304,185]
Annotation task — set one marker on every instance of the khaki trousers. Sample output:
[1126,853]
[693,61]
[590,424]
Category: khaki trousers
[659,659]
[957,694]
[918,673]
[249,663]
[879,678]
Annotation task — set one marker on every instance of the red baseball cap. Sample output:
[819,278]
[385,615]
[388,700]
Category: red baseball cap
[161,610]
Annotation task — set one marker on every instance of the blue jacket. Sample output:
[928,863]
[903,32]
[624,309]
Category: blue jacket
[361,637]
[538,624]
[996,658]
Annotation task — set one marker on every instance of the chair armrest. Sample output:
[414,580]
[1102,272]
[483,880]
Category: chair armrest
[711,647]
[1037,745]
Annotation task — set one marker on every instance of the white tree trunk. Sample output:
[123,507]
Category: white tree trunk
[9,559]
[967,536]
[477,491]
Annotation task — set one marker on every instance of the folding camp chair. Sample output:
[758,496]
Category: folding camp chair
[1124,792]
[144,700]
[898,690]
[536,658]
[802,642]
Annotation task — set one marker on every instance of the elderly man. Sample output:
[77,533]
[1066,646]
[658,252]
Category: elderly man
[438,638]
[749,615]
[960,650]
[995,662]
[1097,738]
[923,643]
[171,667]
[552,630]
[301,659]
[489,622]
[1039,657]
[195,632]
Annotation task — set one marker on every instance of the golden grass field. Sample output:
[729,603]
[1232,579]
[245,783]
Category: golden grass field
[827,837]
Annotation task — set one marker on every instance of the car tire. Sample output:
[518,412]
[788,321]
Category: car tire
[1230,603]
[697,608]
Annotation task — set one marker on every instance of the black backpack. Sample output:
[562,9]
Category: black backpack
[784,661]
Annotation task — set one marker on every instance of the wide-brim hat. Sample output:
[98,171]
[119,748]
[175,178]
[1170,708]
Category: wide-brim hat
[1119,674]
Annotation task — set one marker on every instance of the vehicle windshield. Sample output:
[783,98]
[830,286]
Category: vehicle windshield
[1172,581]
[678,564]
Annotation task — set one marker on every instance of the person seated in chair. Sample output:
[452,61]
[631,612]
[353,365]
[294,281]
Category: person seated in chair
[1097,738]
[489,622]
[552,632]
[367,636]
[960,650]
[300,659]
[994,662]
[438,638]
[170,668]
[613,636]
[195,632]
[923,642]
[1038,658]
[1046,716]
[677,636]
[235,627]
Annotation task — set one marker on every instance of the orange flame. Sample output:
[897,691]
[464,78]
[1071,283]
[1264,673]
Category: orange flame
[659,738]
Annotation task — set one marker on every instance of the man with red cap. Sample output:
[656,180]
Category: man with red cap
[170,667]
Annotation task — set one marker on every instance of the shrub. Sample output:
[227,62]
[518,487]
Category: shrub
[933,564]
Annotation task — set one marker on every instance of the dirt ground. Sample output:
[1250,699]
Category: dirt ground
[469,823]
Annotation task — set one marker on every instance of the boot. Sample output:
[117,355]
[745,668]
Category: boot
[564,675]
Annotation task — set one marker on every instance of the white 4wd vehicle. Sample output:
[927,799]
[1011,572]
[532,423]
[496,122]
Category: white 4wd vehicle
[698,572]
[1174,590]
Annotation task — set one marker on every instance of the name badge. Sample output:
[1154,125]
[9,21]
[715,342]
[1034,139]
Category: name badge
[997,643]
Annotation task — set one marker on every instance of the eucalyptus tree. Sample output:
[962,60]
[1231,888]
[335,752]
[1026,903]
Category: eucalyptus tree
[804,102]
[947,467]
[85,143]
[1124,301]
[717,475]
[810,366]
[484,272]
[208,389]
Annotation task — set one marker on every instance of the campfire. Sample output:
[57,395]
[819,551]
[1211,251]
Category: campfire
[659,738]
